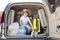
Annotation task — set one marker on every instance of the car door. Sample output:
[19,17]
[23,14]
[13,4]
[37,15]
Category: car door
[54,24]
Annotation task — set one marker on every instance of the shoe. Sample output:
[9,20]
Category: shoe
[32,33]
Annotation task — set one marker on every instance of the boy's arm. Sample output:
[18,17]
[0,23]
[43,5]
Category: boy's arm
[31,25]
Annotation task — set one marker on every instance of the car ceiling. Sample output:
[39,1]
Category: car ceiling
[16,7]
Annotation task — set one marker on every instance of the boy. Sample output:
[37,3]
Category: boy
[24,20]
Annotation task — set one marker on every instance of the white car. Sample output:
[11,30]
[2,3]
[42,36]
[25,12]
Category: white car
[11,12]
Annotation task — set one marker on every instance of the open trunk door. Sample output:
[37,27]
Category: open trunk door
[54,24]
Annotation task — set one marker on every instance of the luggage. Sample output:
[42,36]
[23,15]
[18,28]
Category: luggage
[13,28]
[36,24]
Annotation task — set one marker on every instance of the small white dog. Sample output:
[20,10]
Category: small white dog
[34,34]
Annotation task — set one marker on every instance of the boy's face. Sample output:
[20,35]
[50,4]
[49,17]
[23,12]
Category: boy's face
[25,14]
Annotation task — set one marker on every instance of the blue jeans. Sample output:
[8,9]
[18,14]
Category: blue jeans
[26,29]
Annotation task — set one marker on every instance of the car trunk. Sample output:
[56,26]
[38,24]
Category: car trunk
[14,14]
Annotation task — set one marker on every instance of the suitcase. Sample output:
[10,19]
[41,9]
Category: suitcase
[36,24]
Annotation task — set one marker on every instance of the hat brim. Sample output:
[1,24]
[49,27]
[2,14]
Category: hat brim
[25,11]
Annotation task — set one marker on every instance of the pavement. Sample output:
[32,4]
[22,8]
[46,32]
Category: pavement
[41,38]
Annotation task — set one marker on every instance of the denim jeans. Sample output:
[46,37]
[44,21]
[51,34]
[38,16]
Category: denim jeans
[26,29]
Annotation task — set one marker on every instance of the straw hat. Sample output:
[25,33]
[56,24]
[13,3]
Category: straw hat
[25,10]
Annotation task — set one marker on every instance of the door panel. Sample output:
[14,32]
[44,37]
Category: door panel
[43,17]
[53,27]
[10,17]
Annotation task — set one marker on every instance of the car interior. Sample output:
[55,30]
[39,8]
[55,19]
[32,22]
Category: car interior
[14,15]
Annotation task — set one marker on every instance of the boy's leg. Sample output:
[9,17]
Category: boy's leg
[28,28]
[22,29]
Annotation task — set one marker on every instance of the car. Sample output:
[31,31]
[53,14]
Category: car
[11,13]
